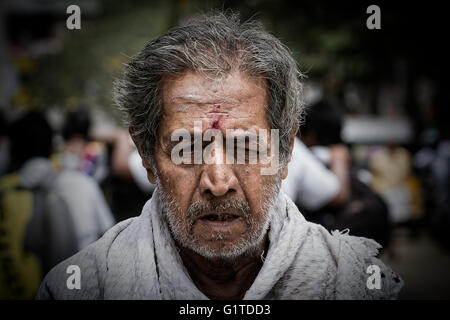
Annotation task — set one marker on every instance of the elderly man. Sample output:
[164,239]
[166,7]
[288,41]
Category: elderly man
[218,229]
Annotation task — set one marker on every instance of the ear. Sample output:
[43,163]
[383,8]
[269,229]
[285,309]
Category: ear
[150,175]
[291,147]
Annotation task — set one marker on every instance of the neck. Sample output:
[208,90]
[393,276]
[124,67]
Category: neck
[222,279]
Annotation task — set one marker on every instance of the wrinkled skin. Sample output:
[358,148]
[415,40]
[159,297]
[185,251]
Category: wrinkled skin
[235,102]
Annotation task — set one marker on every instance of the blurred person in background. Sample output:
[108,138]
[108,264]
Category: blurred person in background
[313,185]
[36,228]
[433,164]
[392,177]
[82,162]
[126,162]
[441,176]
[342,200]
[80,152]
[128,179]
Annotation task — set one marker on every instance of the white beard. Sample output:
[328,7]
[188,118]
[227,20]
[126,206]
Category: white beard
[247,245]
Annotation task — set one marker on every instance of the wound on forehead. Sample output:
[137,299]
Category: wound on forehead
[215,122]
[214,116]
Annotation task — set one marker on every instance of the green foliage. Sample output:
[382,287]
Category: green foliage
[92,58]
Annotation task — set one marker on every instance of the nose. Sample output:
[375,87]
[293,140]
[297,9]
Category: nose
[218,180]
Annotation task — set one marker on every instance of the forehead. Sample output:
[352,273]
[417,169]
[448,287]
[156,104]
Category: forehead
[237,100]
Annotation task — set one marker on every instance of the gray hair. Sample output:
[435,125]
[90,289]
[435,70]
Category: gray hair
[215,44]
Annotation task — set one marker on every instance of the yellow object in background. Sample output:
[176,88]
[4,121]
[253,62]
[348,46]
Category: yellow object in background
[20,271]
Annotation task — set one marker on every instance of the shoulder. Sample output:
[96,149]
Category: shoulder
[357,271]
[86,268]
[360,273]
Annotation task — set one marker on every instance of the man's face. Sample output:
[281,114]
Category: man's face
[219,210]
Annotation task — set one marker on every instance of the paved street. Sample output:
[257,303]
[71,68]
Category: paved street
[423,264]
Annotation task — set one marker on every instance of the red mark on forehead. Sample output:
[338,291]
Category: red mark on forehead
[215,119]
[215,122]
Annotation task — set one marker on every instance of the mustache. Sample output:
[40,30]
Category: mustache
[239,207]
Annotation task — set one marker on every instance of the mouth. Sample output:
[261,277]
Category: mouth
[219,220]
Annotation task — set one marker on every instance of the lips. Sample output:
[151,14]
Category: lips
[219,220]
[220,216]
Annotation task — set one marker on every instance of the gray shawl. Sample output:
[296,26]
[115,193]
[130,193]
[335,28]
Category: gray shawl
[138,259]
